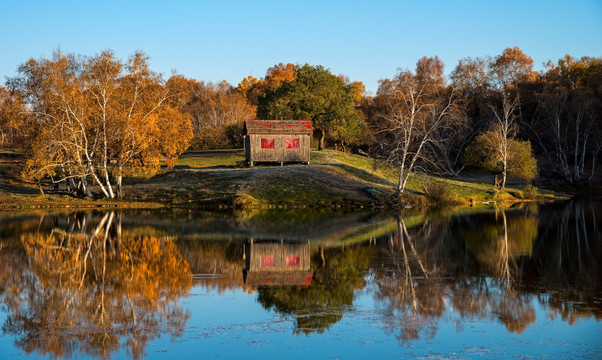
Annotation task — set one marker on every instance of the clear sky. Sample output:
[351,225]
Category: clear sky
[366,40]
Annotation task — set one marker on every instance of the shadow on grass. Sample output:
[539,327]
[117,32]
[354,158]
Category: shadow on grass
[362,174]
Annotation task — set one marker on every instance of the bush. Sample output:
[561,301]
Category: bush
[439,193]
[234,135]
[530,192]
[223,137]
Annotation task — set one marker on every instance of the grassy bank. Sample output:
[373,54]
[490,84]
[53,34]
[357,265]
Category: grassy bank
[219,179]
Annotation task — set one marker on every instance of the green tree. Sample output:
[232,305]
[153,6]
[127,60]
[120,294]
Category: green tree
[494,152]
[320,96]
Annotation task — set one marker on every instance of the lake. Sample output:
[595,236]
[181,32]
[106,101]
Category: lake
[521,282]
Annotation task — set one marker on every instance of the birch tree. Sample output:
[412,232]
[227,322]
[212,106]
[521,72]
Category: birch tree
[570,108]
[498,145]
[414,107]
[92,116]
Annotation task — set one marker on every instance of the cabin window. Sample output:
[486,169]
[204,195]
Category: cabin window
[267,261]
[267,143]
[292,261]
[292,143]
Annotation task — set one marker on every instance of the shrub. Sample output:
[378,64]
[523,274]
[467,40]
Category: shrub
[439,193]
[228,136]
[210,139]
[530,192]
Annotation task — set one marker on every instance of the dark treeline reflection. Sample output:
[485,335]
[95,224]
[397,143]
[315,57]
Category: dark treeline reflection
[95,283]
[78,284]
[490,266]
[460,268]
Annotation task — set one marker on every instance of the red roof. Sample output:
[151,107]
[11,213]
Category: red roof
[278,127]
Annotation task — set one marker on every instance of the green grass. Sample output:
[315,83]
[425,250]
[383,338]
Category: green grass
[464,191]
[283,191]
[213,179]
[205,159]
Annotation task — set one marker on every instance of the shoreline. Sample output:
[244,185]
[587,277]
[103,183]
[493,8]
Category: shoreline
[215,180]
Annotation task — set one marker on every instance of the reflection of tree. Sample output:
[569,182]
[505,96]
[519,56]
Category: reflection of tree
[94,288]
[415,291]
[330,295]
[568,259]
[457,268]
[407,288]
[500,242]
[500,247]
[216,265]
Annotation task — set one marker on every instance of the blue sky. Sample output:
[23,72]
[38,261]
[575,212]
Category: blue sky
[365,40]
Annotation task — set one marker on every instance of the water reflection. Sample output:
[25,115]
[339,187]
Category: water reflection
[276,263]
[489,266]
[338,273]
[90,288]
[99,283]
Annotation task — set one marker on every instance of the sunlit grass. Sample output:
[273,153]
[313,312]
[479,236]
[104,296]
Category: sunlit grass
[334,179]
[464,191]
[204,159]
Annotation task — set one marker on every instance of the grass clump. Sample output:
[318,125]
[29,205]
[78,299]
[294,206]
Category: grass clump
[440,193]
[530,192]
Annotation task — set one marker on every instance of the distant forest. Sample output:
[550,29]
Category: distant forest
[92,119]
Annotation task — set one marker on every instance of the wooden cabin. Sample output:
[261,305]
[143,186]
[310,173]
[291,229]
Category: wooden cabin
[277,263]
[277,141]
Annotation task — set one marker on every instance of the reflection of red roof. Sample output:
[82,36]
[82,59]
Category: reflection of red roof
[267,278]
[278,127]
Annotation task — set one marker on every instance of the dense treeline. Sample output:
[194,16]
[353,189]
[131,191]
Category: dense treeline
[94,119]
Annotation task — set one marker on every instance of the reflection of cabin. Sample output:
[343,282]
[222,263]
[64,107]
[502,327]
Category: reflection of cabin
[277,141]
[277,263]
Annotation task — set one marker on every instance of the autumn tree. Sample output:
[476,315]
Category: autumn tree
[500,81]
[12,113]
[93,116]
[275,76]
[471,79]
[569,109]
[320,96]
[217,111]
[415,109]
[508,71]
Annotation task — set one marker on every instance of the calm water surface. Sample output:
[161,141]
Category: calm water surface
[523,282]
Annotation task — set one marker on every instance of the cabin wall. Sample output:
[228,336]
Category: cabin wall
[255,153]
[277,257]
[247,140]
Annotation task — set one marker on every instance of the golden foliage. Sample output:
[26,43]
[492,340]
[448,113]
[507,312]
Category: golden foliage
[94,292]
[93,116]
